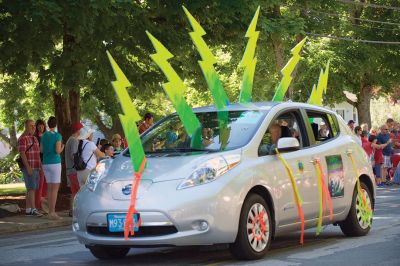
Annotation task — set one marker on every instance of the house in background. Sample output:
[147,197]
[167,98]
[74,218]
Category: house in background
[346,111]
[5,148]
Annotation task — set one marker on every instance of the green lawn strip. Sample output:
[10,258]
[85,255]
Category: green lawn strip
[12,189]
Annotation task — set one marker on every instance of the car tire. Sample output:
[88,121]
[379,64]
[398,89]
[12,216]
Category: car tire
[354,225]
[108,252]
[252,240]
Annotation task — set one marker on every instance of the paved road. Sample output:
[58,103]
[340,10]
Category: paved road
[380,247]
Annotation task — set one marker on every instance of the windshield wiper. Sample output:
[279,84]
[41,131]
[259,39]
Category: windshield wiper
[185,150]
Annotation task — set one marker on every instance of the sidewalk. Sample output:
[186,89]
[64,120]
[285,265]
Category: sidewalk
[22,223]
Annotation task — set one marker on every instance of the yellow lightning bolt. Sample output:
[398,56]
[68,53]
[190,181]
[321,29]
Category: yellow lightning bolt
[249,61]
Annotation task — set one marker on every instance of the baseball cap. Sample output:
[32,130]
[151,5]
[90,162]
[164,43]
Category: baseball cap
[76,126]
[85,133]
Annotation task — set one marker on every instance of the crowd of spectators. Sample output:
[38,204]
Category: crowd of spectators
[40,150]
[382,146]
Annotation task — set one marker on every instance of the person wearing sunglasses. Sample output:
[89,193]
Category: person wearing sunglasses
[384,137]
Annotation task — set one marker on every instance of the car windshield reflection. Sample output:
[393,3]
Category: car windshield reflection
[219,131]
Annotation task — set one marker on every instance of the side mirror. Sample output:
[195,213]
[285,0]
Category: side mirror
[288,144]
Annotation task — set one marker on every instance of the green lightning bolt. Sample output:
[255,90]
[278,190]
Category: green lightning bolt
[214,83]
[287,71]
[130,116]
[207,63]
[320,90]
[249,61]
[174,89]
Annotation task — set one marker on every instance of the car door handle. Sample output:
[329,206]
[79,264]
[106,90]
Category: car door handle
[314,160]
[349,151]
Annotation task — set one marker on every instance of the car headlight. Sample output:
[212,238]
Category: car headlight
[210,170]
[98,173]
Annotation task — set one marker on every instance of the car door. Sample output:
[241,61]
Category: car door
[331,150]
[292,125]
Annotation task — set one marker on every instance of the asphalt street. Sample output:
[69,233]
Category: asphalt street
[379,247]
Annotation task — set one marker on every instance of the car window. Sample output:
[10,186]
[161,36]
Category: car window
[288,124]
[334,125]
[321,127]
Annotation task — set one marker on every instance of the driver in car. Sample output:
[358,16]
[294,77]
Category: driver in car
[270,141]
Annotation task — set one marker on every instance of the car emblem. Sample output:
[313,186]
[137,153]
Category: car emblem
[126,190]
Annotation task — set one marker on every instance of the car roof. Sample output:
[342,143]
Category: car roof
[261,106]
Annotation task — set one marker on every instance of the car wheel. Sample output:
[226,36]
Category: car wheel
[107,252]
[355,223]
[255,230]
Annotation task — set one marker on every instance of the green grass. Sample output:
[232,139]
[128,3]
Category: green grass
[12,189]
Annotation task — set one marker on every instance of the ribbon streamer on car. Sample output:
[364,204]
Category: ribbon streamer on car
[324,195]
[299,201]
[366,212]
[129,227]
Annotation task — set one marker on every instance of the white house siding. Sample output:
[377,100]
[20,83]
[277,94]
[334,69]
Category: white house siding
[345,110]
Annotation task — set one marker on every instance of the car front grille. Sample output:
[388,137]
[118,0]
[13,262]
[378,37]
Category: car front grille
[144,231]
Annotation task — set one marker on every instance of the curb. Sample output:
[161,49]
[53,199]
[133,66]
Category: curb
[26,226]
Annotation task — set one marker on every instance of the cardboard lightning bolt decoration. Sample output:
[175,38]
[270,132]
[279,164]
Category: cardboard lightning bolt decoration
[287,72]
[128,121]
[207,66]
[174,89]
[320,90]
[249,61]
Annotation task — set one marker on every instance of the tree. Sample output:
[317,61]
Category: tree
[359,67]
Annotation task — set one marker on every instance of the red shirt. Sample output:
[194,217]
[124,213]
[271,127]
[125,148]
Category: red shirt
[33,154]
[367,148]
[378,157]
[143,127]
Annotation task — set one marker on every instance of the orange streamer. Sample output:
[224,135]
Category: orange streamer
[129,227]
[326,193]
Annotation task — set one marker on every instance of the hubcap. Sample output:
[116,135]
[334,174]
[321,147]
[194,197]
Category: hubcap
[258,227]
[363,217]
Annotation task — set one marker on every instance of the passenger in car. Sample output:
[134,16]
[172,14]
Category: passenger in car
[323,130]
[207,136]
[268,146]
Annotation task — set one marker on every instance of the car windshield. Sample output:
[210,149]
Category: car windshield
[169,135]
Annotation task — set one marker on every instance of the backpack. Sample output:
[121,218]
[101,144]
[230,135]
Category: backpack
[79,163]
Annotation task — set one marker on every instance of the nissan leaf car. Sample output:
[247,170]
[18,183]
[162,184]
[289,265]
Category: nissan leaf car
[230,186]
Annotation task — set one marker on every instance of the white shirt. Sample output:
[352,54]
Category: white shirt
[88,151]
[359,141]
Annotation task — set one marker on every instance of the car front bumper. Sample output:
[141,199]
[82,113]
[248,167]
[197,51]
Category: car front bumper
[201,215]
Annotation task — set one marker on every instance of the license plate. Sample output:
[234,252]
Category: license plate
[116,221]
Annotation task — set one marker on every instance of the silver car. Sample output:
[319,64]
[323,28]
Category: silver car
[233,189]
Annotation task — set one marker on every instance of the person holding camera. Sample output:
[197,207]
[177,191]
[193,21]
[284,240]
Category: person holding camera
[89,153]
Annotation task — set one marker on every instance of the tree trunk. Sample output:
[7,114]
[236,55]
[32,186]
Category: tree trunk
[278,44]
[67,111]
[363,104]
[12,139]
[109,132]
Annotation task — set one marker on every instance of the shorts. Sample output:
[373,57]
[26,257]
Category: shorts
[377,170]
[52,173]
[31,182]
[74,183]
[82,176]
[387,161]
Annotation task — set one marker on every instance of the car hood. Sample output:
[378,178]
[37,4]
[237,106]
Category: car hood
[161,168]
